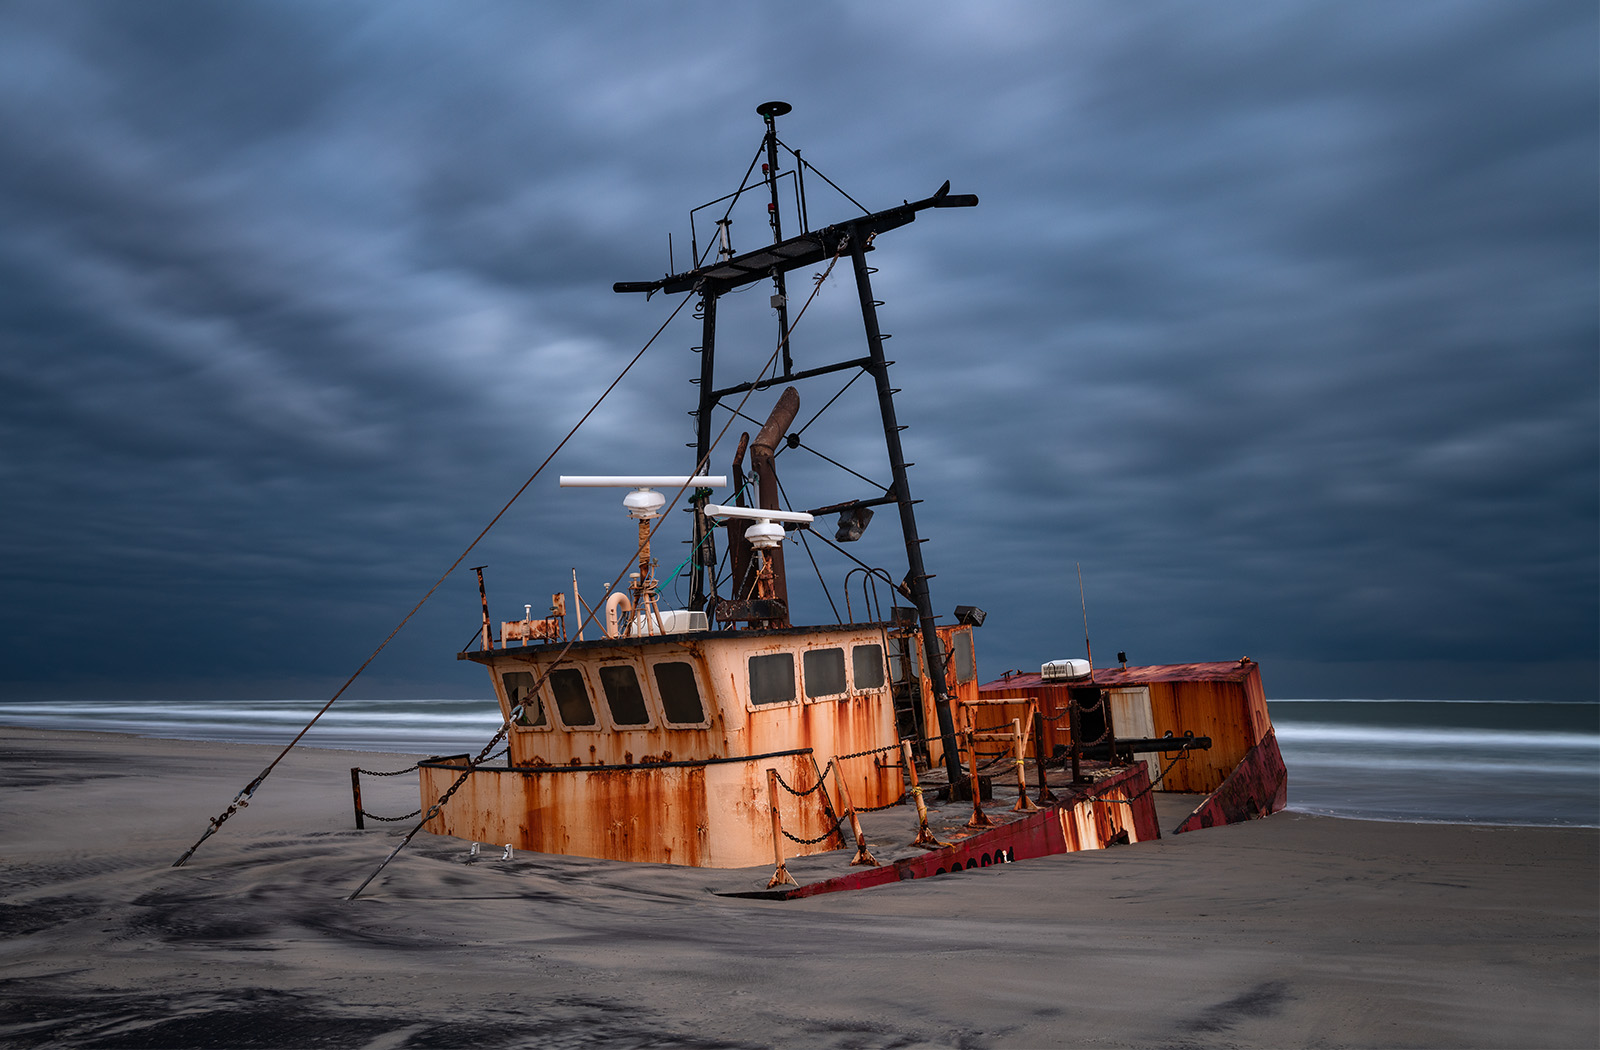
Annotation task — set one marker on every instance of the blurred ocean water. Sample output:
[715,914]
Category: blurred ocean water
[434,727]
[1455,761]
[1462,761]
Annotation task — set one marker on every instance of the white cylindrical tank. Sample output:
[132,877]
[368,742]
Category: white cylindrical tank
[1064,670]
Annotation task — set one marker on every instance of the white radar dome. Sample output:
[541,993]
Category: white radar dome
[644,503]
[764,535]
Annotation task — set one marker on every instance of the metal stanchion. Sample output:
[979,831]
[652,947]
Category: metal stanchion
[1024,803]
[979,818]
[862,857]
[781,876]
[925,836]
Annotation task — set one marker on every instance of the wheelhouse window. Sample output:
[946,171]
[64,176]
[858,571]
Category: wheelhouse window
[905,659]
[572,697]
[680,695]
[824,671]
[966,663]
[866,666]
[623,695]
[772,678]
[519,693]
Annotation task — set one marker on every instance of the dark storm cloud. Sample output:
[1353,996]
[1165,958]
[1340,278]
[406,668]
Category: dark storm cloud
[1280,320]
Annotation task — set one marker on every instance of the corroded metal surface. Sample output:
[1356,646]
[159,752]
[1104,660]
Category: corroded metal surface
[550,629]
[959,687]
[1257,787]
[714,814]
[1222,701]
[1218,671]
[1116,810]
[621,783]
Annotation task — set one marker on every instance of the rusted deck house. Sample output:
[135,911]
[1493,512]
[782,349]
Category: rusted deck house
[1223,702]
[664,734]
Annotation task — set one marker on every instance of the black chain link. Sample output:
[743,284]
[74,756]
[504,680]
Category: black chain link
[812,842]
[822,780]
[812,790]
[396,773]
[833,764]
[871,751]
[391,820]
[1183,753]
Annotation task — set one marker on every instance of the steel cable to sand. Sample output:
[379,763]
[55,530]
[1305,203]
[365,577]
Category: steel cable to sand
[243,798]
[505,726]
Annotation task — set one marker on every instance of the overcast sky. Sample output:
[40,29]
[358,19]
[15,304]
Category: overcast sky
[1278,318]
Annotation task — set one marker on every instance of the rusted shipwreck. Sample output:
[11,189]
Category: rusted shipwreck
[723,735]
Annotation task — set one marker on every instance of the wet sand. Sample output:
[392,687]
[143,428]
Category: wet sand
[1291,931]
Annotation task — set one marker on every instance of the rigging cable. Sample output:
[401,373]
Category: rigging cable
[815,567]
[243,798]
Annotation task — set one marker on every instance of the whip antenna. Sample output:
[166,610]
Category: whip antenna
[1087,651]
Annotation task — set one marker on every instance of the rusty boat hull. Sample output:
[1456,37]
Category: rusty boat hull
[721,735]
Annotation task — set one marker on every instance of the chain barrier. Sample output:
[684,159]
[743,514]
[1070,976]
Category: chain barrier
[396,773]
[391,820]
[812,790]
[822,781]
[433,811]
[1182,753]
[871,751]
[820,838]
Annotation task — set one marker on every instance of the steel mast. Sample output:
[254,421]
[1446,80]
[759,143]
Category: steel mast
[809,248]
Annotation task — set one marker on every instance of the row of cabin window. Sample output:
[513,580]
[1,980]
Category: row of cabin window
[676,690]
[772,679]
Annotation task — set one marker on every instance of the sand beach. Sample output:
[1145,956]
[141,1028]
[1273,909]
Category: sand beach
[1292,931]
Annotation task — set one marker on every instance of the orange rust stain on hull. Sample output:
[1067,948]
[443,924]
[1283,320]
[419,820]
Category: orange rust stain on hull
[706,816]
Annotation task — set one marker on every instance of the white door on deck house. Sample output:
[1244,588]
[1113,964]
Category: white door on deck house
[1131,719]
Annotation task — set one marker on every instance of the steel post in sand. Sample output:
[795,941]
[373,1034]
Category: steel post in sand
[1024,803]
[862,857]
[780,876]
[925,836]
[355,793]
